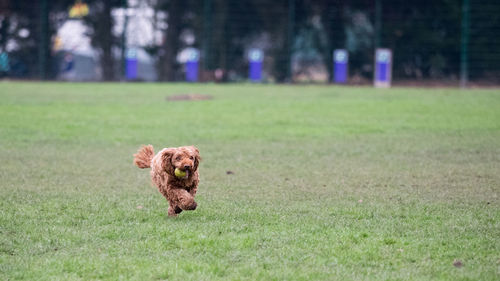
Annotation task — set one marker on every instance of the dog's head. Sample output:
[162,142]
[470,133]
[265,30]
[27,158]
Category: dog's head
[184,158]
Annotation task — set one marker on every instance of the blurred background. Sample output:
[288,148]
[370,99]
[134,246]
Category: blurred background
[434,42]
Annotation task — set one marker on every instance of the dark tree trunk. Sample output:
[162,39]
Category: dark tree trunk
[332,16]
[106,43]
[4,33]
[168,64]
[102,37]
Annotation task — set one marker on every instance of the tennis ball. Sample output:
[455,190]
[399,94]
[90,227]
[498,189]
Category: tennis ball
[178,173]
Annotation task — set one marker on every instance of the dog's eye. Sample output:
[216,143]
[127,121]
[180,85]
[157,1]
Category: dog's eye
[178,158]
[192,158]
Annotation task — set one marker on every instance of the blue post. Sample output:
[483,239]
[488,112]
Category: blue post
[4,63]
[192,66]
[340,66]
[131,64]
[255,58]
[383,68]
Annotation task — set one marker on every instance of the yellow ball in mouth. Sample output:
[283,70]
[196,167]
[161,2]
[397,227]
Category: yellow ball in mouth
[178,173]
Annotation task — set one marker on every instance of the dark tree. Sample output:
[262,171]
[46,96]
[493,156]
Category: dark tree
[167,63]
[101,23]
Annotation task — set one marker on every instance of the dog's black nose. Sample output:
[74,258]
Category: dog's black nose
[187,167]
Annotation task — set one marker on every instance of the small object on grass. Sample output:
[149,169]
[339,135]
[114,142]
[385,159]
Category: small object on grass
[457,263]
[139,207]
[178,173]
[189,97]
[229,173]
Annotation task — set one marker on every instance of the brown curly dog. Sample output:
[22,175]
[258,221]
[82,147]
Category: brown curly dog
[179,191]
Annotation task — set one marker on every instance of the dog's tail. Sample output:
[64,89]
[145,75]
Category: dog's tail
[143,157]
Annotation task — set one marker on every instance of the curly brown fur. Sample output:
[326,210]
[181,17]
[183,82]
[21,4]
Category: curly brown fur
[179,192]
[142,158]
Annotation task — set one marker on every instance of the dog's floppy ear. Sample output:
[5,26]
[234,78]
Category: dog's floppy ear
[166,160]
[197,157]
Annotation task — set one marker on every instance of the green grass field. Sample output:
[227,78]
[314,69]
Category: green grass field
[328,183]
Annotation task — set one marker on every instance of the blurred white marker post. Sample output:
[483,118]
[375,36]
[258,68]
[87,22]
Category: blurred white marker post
[383,68]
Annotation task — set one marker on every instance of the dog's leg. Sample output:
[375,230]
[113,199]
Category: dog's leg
[193,190]
[173,210]
[182,199]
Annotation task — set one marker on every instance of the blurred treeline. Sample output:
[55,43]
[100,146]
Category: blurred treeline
[297,36]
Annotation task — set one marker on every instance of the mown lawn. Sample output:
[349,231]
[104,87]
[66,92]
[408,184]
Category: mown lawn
[327,183]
